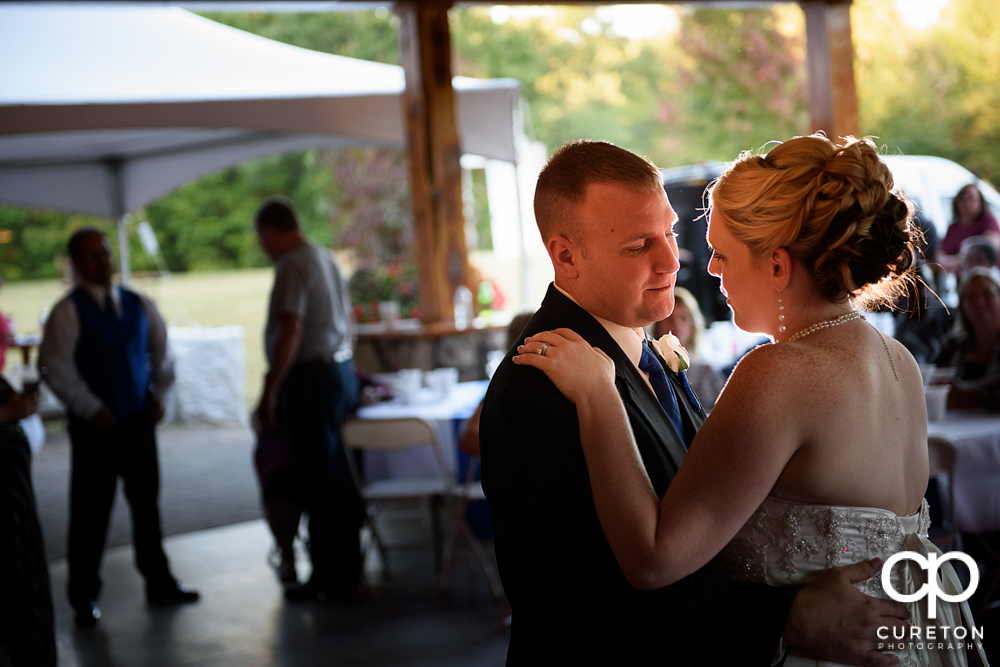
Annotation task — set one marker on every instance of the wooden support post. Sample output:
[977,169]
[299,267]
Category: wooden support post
[432,141]
[833,100]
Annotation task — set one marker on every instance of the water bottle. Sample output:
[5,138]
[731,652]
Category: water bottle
[463,307]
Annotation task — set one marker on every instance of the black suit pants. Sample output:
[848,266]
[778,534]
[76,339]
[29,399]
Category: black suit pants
[315,400]
[100,457]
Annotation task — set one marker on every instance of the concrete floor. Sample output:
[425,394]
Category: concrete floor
[206,481]
[217,543]
[242,619]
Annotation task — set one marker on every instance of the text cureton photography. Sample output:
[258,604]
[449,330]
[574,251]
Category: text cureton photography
[938,583]
[941,637]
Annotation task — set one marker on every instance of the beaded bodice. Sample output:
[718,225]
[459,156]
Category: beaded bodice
[787,543]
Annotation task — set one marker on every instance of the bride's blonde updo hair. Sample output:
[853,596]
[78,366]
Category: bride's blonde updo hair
[831,206]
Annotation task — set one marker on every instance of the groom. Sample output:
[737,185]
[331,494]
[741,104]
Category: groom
[607,226]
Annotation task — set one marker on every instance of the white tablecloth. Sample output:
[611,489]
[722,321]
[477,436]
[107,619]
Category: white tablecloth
[444,413]
[977,468]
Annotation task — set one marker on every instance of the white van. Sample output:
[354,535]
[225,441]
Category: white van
[932,182]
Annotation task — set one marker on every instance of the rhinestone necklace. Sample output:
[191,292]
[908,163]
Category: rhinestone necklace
[826,324]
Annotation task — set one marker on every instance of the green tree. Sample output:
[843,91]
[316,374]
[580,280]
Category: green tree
[356,34]
[580,80]
[934,91]
[206,224]
[37,247]
[742,82]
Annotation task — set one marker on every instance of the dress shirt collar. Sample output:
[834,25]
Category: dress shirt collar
[99,292]
[629,340]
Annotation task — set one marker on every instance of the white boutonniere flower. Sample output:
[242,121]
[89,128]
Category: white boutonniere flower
[669,347]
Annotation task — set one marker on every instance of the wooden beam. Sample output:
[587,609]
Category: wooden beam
[833,99]
[432,140]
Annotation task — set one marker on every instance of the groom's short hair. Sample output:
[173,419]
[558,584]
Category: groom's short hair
[563,182]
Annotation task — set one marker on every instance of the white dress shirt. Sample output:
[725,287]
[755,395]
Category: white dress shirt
[628,339]
[62,330]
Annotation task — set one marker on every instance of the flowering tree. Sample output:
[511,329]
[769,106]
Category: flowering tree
[742,83]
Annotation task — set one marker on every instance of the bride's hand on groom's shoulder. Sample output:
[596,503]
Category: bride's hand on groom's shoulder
[831,619]
[581,372]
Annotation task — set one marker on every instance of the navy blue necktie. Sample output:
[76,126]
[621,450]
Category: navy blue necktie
[648,363]
[109,307]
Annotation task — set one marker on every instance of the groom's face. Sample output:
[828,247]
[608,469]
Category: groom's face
[628,262]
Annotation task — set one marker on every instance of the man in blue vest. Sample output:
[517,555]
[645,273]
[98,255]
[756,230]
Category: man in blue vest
[104,355]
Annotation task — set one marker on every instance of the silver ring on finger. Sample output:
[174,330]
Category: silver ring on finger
[543,348]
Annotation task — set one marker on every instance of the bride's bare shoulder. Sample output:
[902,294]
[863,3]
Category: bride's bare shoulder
[770,360]
[782,368]
[765,370]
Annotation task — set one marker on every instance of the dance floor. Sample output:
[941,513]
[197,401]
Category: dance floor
[242,619]
[218,543]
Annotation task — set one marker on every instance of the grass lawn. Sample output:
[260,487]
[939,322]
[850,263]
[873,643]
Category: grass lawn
[216,298]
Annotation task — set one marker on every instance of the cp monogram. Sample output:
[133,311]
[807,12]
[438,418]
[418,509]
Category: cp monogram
[931,588]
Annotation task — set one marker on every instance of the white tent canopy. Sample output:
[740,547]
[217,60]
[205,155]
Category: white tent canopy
[105,109]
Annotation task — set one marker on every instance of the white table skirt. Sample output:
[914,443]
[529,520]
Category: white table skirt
[977,468]
[441,412]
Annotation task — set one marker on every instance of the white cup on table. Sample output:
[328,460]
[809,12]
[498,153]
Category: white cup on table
[937,401]
[442,380]
[407,384]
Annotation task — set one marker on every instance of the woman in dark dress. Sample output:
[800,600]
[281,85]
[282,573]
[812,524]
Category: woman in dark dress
[27,631]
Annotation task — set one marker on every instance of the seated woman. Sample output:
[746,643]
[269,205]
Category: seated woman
[816,452]
[976,251]
[688,324]
[973,348]
[970,217]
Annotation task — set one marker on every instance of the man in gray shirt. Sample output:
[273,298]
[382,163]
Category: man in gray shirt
[309,390]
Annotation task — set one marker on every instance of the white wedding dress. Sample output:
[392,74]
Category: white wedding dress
[786,543]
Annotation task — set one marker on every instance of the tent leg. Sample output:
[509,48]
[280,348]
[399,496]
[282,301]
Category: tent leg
[123,252]
[115,166]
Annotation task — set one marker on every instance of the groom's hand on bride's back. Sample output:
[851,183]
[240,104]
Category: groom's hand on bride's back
[831,619]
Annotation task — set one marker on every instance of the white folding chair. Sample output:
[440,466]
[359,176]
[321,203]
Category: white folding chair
[469,491]
[395,435]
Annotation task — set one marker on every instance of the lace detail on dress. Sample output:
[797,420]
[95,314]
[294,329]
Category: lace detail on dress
[787,543]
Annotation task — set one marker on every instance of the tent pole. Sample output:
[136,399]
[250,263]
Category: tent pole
[434,153]
[115,166]
[123,252]
[833,99]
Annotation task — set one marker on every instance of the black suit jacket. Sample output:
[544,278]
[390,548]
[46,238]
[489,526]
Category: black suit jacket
[571,601]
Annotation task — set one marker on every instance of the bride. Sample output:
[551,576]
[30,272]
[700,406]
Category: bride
[815,455]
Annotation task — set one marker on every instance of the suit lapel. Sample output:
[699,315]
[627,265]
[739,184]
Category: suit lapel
[631,385]
[634,391]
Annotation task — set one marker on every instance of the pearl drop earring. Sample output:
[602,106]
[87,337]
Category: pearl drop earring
[781,315]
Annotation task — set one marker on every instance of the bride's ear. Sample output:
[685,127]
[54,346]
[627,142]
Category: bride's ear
[564,255]
[781,268]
